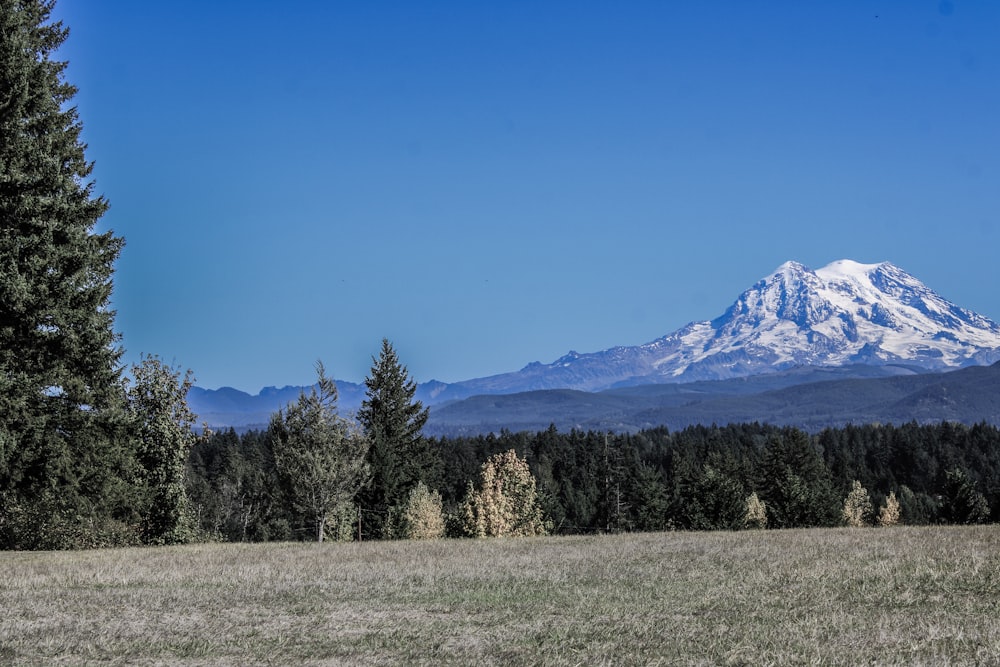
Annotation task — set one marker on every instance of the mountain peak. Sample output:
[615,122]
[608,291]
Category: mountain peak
[850,268]
[847,312]
[788,269]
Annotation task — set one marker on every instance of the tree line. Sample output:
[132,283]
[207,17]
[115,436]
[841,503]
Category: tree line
[701,478]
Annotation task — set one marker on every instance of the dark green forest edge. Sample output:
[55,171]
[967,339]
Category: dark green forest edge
[700,478]
[94,456]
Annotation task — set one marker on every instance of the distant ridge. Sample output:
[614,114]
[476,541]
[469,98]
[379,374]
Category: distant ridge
[968,395]
[846,314]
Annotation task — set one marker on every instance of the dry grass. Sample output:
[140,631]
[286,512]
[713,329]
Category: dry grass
[861,596]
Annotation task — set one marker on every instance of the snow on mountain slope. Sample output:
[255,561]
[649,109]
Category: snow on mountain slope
[844,313]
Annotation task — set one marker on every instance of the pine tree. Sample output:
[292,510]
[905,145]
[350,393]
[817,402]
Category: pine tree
[319,453]
[962,503]
[59,364]
[399,455]
[795,483]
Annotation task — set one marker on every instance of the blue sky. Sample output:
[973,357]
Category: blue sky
[493,183]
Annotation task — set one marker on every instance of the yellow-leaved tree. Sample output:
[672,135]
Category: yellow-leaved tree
[756,512]
[857,507]
[506,504]
[888,514]
[423,516]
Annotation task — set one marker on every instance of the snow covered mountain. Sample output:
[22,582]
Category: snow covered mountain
[862,319]
[845,313]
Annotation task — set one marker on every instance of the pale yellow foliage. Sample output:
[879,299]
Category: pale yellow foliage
[423,516]
[506,504]
[857,506]
[756,514]
[888,514]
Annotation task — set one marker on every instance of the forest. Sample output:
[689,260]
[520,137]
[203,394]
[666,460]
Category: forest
[699,478]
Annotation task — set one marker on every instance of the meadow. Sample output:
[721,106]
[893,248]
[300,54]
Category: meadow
[904,595]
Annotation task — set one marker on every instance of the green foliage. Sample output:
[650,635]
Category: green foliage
[709,499]
[589,482]
[399,455]
[45,523]
[319,453]
[963,504]
[235,489]
[795,483]
[162,429]
[60,396]
[917,509]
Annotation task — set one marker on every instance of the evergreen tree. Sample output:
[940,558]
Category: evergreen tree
[709,499]
[59,364]
[796,484]
[320,455]
[963,504]
[399,455]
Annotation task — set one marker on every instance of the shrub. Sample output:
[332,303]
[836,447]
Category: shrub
[423,517]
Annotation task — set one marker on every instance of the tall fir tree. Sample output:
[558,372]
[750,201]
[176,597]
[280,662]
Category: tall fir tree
[59,360]
[795,483]
[399,455]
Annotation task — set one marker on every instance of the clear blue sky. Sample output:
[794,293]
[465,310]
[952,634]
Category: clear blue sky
[493,183]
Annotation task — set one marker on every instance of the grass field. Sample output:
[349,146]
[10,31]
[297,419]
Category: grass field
[845,596]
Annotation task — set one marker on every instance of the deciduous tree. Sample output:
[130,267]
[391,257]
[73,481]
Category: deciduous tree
[162,428]
[756,512]
[858,507]
[506,503]
[888,514]
[423,515]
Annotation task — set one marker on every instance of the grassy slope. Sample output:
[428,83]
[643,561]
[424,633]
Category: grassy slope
[901,595]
